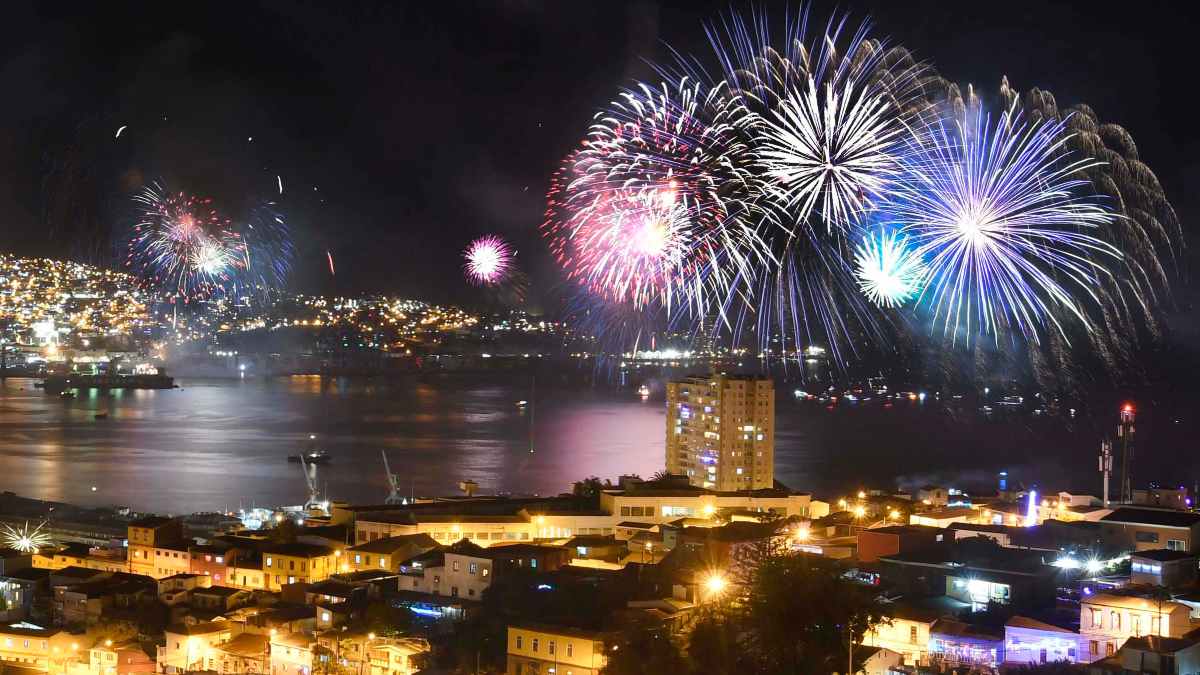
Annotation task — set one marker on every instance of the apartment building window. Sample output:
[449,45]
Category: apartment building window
[1094,648]
[473,568]
[1156,625]
[1108,649]
[519,642]
[1135,625]
[357,558]
[292,565]
[1097,619]
[912,635]
[455,565]
[1114,620]
[535,645]
[569,650]
[1146,537]
[550,647]
[1175,544]
[269,561]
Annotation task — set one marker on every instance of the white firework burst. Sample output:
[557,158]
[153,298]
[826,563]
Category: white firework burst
[828,149]
[889,271]
[24,539]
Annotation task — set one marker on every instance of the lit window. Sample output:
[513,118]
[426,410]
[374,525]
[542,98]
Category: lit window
[268,561]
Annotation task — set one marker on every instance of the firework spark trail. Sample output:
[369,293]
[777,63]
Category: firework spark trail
[329,256]
[997,215]
[487,260]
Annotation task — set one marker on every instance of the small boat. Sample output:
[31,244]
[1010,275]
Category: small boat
[66,394]
[101,416]
[522,403]
[315,456]
[644,391]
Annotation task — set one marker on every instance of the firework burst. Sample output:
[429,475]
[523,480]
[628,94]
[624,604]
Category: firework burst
[652,197]
[488,260]
[998,216]
[24,539]
[182,244]
[889,271]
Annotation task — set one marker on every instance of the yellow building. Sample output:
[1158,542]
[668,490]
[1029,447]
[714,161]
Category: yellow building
[40,648]
[188,647]
[297,563]
[721,431]
[74,555]
[385,554]
[157,547]
[398,657]
[1107,620]
[247,575]
[292,654]
[534,649]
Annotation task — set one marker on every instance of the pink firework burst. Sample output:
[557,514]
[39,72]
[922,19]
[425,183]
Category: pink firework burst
[488,260]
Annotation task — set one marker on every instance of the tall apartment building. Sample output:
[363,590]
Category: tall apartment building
[721,431]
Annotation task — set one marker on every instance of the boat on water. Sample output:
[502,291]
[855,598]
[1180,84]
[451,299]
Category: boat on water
[644,391]
[59,383]
[66,394]
[314,456]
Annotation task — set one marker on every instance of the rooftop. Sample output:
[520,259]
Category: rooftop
[1034,624]
[206,628]
[1160,517]
[965,630]
[223,591]
[1163,555]
[1160,645]
[245,645]
[297,549]
[150,521]
[390,545]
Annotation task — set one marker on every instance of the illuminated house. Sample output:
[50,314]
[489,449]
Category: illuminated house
[1163,567]
[1107,620]
[721,431]
[1029,641]
[534,649]
[290,563]
[1143,529]
[906,632]
[157,547]
[975,571]
[386,553]
[955,643]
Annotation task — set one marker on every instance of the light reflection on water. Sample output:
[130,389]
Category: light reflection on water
[217,444]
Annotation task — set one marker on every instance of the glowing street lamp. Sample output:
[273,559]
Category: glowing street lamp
[715,584]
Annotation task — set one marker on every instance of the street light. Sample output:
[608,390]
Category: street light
[715,584]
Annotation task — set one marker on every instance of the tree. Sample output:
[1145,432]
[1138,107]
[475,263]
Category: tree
[285,532]
[589,488]
[643,649]
[800,616]
[713,646]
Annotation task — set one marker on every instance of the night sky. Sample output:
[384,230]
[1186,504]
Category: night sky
[402,130]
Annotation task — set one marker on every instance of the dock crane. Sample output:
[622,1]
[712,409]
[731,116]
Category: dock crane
[393,483]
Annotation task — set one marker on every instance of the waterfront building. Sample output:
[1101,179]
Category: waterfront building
[667,500]
[1107,620]
[536,648]
[721,431]
[1143,529]
[1029,641]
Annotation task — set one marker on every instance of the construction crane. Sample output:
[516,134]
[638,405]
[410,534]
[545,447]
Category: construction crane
[393,483]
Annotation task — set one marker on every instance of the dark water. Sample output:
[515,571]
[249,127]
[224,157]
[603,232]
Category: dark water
[219,444]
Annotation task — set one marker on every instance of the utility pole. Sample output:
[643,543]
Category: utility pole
[1125,432]
[1105,467]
